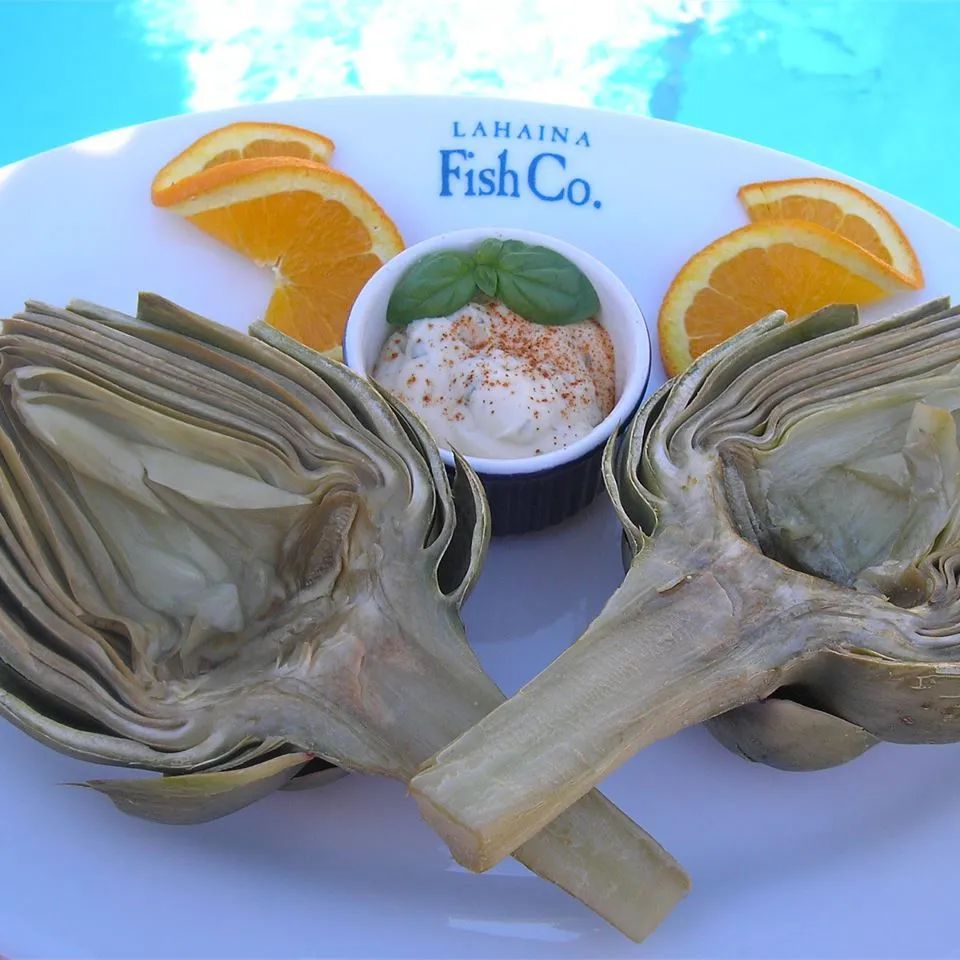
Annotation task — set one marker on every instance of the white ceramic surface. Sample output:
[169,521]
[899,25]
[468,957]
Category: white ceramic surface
[367,330]
[859,861]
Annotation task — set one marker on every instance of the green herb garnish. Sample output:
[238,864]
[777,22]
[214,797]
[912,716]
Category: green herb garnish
[535,282]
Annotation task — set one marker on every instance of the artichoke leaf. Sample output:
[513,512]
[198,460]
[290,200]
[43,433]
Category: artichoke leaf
[788,735]
[37,715]
[199,797]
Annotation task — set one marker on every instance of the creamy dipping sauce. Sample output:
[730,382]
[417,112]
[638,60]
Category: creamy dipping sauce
[491,384]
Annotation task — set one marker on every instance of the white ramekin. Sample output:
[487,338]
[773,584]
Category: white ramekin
[527,493]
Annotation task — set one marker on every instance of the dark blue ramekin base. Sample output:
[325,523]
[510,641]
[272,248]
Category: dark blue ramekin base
[526,502]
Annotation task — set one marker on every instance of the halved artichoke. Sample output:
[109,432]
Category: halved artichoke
[792,504]
[223,557]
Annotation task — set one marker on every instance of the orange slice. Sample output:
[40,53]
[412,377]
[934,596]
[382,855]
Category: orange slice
[839,207]
[242,141]
[784,264]
[319,231]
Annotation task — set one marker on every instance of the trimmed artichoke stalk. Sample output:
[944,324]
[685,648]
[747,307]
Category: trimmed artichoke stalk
[792,505]
[780,731]
[224,557]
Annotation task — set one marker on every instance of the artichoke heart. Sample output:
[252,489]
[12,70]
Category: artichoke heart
[791,507]
[230,560]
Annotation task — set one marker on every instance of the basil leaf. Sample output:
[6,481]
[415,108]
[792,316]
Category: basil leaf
[588,303]
[543,286]
[486,278]
[488,253]
[435,286]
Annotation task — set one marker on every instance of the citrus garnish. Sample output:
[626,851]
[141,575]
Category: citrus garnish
[838,207]
[783,264]
[319,230]
[242,141]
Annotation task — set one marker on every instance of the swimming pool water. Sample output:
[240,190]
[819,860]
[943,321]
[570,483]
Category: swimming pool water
[865,86]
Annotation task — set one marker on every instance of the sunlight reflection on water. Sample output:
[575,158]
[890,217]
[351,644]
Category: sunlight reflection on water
[846,83]
[539,49]
[863,87]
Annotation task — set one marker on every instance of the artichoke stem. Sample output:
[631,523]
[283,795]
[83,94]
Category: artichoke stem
[677,644]
[593,851]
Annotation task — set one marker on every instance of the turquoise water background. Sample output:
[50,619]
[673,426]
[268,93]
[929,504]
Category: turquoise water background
[868,87]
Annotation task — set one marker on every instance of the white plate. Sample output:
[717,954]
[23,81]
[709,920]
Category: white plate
[857,861]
